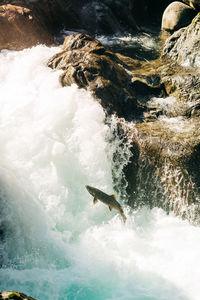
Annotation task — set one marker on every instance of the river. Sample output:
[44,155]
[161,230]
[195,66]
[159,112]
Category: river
[54,243]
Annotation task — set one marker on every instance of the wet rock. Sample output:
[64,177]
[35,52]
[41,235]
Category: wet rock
[14,296]
[176,16]
[21,29]
[106,75]
[169,150]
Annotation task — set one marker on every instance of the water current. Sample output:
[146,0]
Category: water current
[54,243]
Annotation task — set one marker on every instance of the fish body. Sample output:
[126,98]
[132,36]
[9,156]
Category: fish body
[109,200]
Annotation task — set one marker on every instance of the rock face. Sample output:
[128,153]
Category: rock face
[91,66]
[14,296]
[20,28]
[177,15]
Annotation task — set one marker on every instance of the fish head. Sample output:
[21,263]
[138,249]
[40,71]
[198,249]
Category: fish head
[91,190]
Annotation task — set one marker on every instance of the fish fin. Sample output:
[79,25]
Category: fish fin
[114,196]
[95,200]
[110,207]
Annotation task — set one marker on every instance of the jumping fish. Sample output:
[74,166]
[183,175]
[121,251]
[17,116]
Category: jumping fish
[109,200]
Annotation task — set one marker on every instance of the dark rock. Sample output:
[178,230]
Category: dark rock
[99,18]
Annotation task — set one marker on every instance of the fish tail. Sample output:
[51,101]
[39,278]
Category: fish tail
[123,217]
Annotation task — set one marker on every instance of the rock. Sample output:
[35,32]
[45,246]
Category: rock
[177,15]
[195,4]
[20,29]
[98,18]
[169,154]
[106,75]
[14,296]
[107,17]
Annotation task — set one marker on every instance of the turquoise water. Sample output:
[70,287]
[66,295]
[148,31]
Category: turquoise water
[56,244]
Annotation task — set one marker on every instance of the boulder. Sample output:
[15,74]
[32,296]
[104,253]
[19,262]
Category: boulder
[14,296]
[177,15]
[21,29]
[106,75]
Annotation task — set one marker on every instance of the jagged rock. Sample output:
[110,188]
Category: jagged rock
[14,296]
[106,75]
[20,29]
[177,15]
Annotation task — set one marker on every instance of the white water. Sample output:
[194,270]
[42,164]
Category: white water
[56,244]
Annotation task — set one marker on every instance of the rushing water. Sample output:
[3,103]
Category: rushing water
[54,243]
